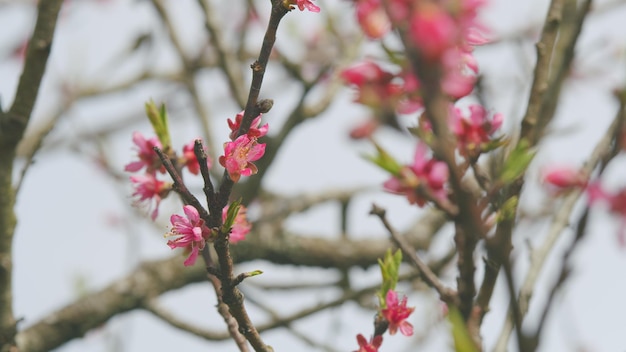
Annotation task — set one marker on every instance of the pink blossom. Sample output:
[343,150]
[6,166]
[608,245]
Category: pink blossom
[474,130]
[375,86]
[147,156]
[254,131]
[241,226]
[396,314]
[364,129]
[433,30]
[239,155]
[372,18]
[306,4]
[371,346]
[147,189]
[424,172]
[616,202]
[191,233]
[563,177]
[189,159]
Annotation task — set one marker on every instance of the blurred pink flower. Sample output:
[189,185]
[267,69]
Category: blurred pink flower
[147,156]
[191,233]
[396,314]
[241,226]
[616,202]
[433,30]
[424,172]
[254,131]
[189,159]
[563,177]
[371,346]
[147,189]
[239,155]
[306,4]
[475,129]
[372,18]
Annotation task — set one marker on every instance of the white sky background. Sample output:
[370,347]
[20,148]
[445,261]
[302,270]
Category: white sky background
[64,236]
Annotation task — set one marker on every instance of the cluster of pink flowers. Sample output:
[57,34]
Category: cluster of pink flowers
[444,33]
[425,174]
[241,151]
[148,189]
[396,314]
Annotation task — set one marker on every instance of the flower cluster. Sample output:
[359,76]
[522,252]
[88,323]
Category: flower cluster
[148,189]
[444,34]
[242,150]
[424,176]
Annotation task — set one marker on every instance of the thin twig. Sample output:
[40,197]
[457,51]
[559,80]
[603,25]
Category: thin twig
[446,294]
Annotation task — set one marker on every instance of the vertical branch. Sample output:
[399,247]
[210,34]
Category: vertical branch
[12,126]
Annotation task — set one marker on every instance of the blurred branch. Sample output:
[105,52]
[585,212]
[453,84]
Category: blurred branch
[559,223]
[227,60]
[189,79]
[152,279]
[555,52]
[12,126]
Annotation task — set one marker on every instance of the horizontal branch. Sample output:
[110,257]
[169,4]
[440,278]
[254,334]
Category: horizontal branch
[155,278]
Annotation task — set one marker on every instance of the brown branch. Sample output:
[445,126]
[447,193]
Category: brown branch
[12,126]
[152,279]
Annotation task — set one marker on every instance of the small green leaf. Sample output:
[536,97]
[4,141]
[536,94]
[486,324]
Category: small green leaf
[517,162]
[255,273]
[494,144]
[385,160]
[231,214]
[158,120]
[462,340]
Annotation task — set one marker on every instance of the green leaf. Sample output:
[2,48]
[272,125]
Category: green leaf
[517,162]
[231,214]
[462,340]
[254,273]
[389,268]
[384,160]
[158,120]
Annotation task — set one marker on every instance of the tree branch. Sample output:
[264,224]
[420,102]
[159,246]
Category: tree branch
[12,127]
